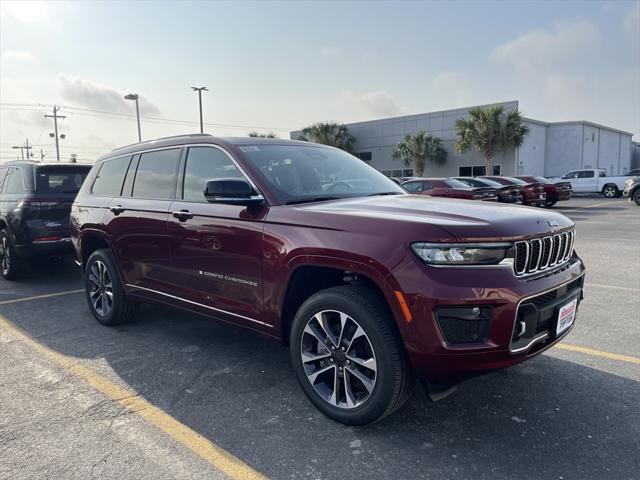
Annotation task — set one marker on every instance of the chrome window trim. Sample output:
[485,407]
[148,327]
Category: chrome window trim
[175,297]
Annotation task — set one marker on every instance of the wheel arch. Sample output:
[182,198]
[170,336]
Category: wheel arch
[309,276]
[90,241]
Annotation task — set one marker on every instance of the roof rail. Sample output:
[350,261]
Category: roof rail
[185,135]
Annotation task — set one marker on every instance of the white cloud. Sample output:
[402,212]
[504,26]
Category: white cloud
[452,89]
[541,50]
[24,11]
[370,105]
[16,56]
[331,51]
[88,93]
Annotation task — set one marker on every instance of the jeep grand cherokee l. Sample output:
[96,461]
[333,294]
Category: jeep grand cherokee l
[35,203]
[306,244]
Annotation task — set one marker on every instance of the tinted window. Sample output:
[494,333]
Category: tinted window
[157,174]
[587,174]
[13,182]
[570,175]
[412,187]
[206,163]
[306,173]
[60,180]
[452,182]
[110,177]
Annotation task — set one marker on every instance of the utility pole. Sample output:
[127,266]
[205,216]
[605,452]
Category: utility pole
[200,90]
[41,155]
[16,147]
[55,117]
[28,147]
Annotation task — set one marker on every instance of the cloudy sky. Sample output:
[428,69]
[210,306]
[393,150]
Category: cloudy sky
[280,66]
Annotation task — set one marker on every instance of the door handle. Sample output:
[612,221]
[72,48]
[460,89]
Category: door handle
[117,210]
[183,215]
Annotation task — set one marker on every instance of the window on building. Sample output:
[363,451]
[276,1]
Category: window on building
[407,172]
[365,156]
[477,171]
[157,174]
[110,177]
[203,164]
[465,171]
[13,182]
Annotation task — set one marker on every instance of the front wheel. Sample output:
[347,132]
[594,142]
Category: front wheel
[348,355]
[636,197]
[610,191]
[104,290]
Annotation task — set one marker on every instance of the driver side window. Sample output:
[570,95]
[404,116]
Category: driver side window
[203,164]
[570,175]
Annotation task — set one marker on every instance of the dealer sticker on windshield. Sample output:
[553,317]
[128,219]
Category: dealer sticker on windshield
[566,316]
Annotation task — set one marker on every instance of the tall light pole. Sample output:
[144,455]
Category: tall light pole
[134,96]
[200,90]
[55,117]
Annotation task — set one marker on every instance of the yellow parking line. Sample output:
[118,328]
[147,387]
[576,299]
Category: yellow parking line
[37,297]
[599,353]
[204,448]
[613,287]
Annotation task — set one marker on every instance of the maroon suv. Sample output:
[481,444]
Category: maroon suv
[532,192]
[555,192]
[308,245]
[449,188]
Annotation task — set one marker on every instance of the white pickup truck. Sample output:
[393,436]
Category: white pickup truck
[595,181]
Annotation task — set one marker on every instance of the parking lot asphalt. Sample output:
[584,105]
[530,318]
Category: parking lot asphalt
[197,387]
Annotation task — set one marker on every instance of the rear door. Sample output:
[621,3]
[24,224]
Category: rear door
[137,219]
[217,248]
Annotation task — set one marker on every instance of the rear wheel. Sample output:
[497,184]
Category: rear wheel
[11,266]
[104,290]
[348,355]
[610,191]
[636,197]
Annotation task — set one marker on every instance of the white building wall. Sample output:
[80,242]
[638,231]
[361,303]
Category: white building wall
[531,153]
[590,146]
[563,150]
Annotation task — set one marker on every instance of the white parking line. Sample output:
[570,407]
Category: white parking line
[612,287]
[38,297]
[586,206]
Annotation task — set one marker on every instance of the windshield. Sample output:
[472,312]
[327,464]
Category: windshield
[542,180]
[299,174]
[452,182]
[60,180]
[515,181]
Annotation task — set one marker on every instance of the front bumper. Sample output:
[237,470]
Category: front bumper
[509,300]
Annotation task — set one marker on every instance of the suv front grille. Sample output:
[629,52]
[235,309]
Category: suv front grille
[540,254]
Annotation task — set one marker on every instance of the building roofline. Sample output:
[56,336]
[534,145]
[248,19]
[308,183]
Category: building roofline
[578,122]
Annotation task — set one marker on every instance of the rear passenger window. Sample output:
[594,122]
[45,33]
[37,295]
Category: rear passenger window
[412,187]
[13,182]
[206,163]
[110,177]
[157,174]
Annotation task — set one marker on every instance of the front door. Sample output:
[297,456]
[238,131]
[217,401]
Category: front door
[217,248]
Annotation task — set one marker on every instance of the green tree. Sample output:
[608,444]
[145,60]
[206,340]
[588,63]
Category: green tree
[418,148]
[490,131]
[330,133]
[262,135]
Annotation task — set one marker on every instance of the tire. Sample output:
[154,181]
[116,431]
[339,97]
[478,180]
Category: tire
[105,293]
[551,204]
[368,348]
[610,191]
[636,197]
[11,266]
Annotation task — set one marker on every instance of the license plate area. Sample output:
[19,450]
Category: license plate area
[566,316]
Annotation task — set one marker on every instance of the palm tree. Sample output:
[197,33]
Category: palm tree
[418,148]
[330,133]
[490,131]
[262,135]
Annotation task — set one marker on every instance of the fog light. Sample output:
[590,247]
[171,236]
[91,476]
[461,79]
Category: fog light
[464,324]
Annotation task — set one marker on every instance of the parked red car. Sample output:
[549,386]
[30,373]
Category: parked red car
[532,192]
[505,193]
[556,192]
[450,188]
[312,247]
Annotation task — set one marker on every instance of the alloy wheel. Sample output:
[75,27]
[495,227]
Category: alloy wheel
[100,288]
[610,192]
[338,359]
[5,259]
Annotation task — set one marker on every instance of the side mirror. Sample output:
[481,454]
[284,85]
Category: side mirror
[231,191]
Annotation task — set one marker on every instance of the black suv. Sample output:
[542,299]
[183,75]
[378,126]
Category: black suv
[35,202]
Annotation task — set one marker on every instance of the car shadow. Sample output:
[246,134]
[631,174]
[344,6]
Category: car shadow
[546,418]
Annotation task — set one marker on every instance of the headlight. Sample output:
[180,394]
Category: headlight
[461,254]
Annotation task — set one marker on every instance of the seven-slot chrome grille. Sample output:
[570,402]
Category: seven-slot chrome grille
[544,253]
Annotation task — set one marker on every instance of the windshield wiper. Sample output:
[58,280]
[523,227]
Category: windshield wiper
[312,199]
[384,193]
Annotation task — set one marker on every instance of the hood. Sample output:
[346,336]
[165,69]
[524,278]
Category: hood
[464,220]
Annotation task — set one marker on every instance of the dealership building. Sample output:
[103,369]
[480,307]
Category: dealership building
[550,148]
